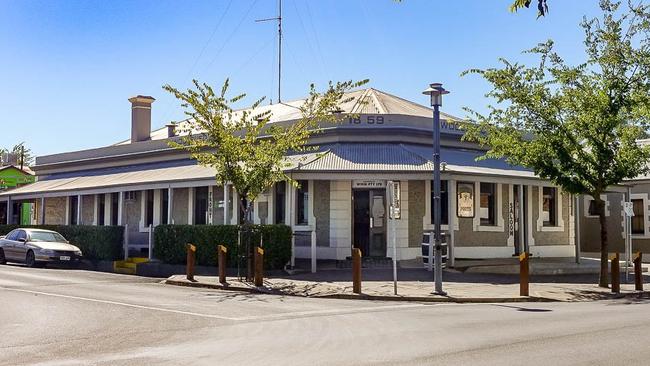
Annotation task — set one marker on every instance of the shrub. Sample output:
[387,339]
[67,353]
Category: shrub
[170,241]
[96,242]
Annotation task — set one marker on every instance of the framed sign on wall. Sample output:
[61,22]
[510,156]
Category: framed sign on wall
[465,199]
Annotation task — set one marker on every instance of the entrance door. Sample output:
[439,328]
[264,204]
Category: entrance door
[370,222]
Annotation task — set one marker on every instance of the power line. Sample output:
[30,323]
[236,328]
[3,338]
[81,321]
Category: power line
[231,35]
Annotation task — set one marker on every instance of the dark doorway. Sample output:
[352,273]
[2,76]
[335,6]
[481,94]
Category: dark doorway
[370,222]
[201,206]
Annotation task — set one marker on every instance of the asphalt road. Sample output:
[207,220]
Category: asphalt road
[70,317]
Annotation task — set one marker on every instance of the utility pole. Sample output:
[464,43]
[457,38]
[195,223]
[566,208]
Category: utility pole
[279,19]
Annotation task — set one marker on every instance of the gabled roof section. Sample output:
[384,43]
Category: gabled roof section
[25,170]
[363,101]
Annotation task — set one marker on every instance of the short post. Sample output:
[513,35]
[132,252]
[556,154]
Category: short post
[221,253]
[356,270]
[126,241]
[259,266]
[524,274]
[638,269]
[616,273]
[191,258]
[150,241]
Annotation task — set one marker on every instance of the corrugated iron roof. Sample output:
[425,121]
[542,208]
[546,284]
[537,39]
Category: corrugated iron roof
[364,101]
[339,157]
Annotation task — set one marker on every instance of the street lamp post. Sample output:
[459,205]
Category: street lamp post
[436,91]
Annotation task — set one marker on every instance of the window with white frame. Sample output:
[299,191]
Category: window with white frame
[639,219]
[488,204]
[549,206]
[280,194]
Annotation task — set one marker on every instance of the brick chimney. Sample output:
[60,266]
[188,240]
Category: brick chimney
[141,118]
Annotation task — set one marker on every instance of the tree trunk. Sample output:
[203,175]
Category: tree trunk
[246,229]
[604,247]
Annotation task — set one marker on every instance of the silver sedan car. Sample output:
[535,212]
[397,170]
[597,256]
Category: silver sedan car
[36,247]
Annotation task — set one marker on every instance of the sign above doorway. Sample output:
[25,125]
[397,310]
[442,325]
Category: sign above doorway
[368,183]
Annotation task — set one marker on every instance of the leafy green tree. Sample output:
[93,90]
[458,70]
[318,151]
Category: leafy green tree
[542,6]
[242,146]
[577,126]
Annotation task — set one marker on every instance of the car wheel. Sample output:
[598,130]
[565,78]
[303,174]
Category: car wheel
[30,259]
[3,260]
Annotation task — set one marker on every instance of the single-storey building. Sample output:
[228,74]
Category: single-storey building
[489,208]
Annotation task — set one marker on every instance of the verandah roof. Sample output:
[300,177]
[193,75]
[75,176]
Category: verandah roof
[331,158]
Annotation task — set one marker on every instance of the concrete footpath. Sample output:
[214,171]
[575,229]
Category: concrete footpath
[417,285]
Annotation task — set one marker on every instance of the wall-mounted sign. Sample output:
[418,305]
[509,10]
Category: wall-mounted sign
[511,219]
[395,200]
[368,183]
[210,205]
[465,204]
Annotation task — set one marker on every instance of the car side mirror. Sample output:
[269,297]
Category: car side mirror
[22,240]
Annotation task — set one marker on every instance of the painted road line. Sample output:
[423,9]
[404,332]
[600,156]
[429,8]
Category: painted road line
[339,311]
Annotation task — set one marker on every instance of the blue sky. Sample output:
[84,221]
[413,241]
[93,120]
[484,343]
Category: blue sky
[68,67]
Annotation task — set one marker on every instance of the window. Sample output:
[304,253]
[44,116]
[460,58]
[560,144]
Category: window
[101,215]
[73,210]
[115,208]
[164,209]
[21,234]
[488,207]
[12,235]
[280,202]
[638,220]
[444,203]
[201,205]
[549,206]
[593,209]
[148,197]
[302,203]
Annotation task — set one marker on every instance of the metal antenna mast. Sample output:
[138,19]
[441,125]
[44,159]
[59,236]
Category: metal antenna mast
[279,19]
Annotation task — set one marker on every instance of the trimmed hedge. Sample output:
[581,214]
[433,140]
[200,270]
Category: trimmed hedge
[170,243]
[96,242]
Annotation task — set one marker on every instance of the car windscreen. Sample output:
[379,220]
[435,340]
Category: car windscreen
[46,236]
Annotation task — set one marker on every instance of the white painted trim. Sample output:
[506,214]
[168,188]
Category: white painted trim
[483,252]
[226,198]
[157,207]
[559,194]
[67,210]
[191,192]
[170,206]
[549,251]
[529,221]
[108,209]
[143,212]
[120,209]
[499,227]
[96,210]
[79,209]
[646,226]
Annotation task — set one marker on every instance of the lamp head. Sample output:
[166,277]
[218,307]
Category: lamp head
[435,91]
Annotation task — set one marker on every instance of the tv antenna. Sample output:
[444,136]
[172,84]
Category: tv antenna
[279,19]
